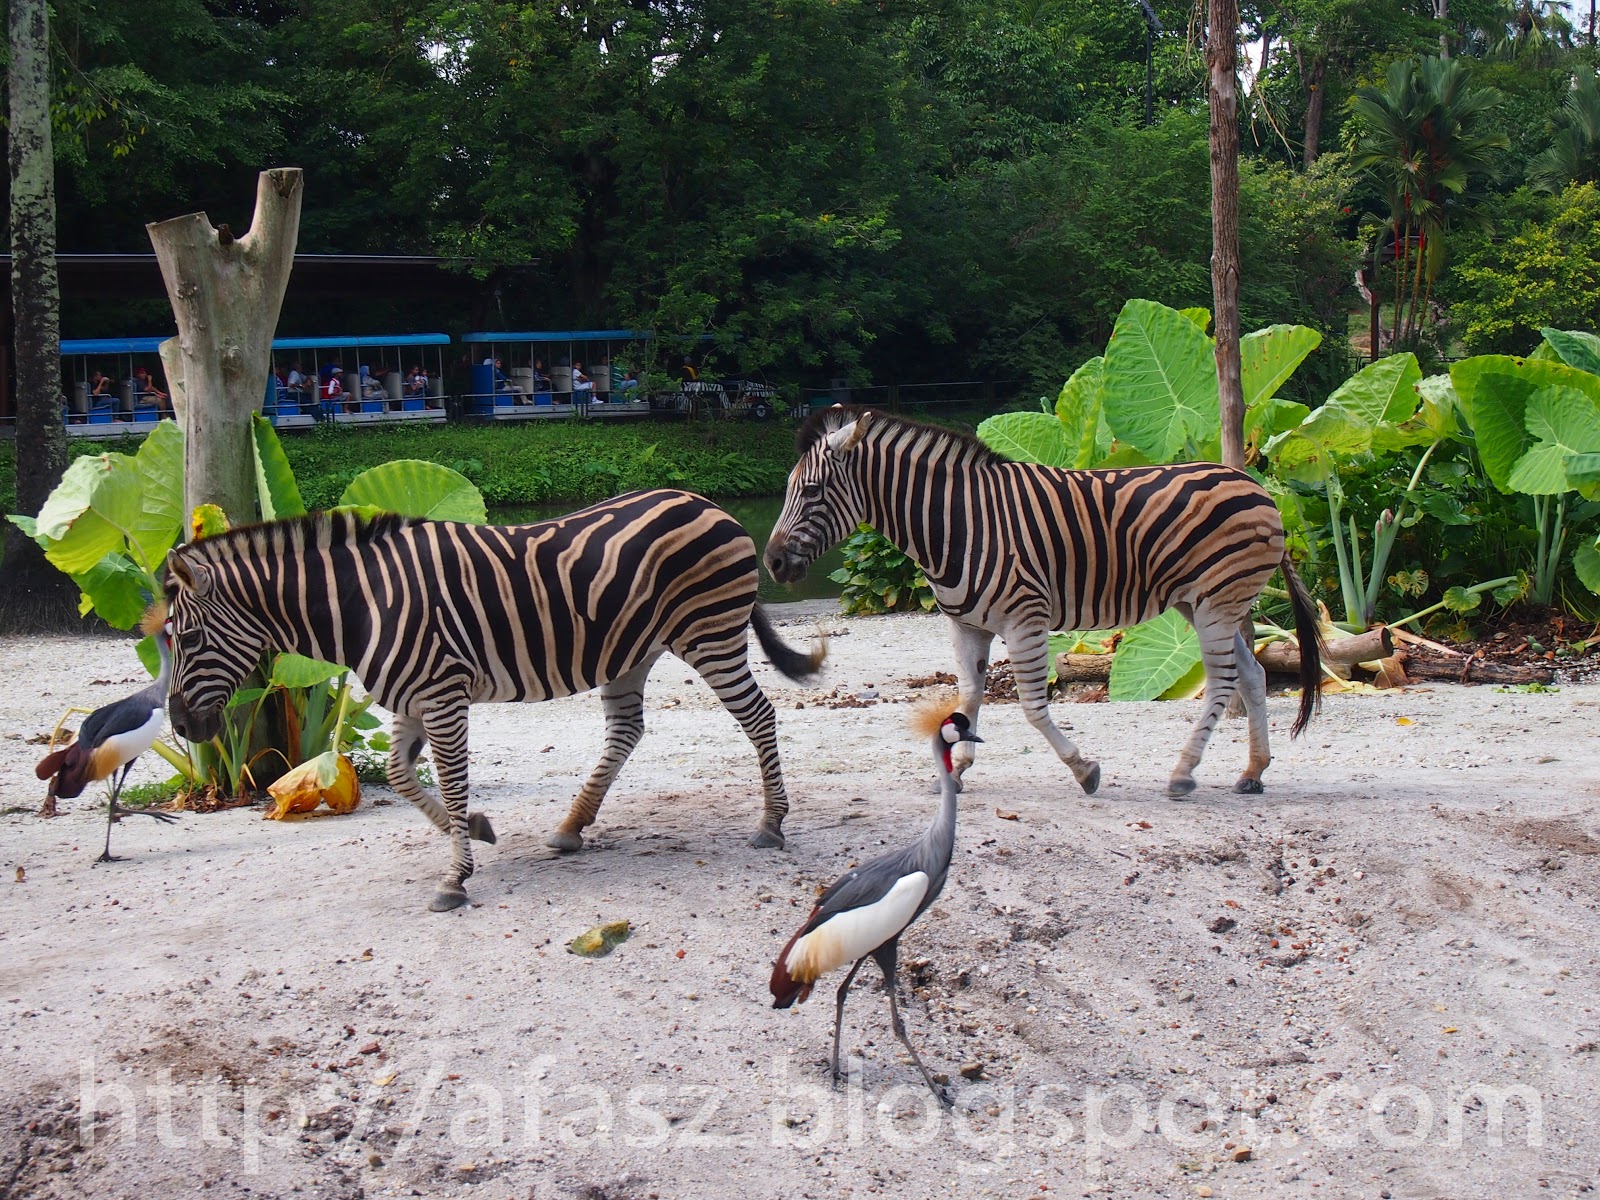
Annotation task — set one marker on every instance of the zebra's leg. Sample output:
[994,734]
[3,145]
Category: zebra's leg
[1030,668]
[1218,637]
[405,746]
[725,666]
[972,665]
[623,699]
[447,730]
[1253,689]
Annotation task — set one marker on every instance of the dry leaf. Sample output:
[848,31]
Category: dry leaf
[1404,721]
[22,873]
[301,790]
[385,1080]
[1006,816]
[598,942]
[1451,1029]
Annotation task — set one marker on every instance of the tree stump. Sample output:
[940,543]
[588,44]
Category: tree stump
[226,294]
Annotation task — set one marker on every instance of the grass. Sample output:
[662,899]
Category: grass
[550,462]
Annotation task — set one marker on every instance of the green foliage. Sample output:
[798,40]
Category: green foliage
[1154,656]
[878,577]
[1540,268]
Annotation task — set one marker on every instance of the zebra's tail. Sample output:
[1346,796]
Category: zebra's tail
[1309,635]
[795,664]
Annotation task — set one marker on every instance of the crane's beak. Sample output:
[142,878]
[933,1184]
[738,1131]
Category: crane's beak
[969,736]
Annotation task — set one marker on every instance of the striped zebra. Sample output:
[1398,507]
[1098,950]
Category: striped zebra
[434,616]
[1018,550]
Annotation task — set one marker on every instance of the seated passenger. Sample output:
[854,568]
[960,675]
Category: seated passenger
[582,385]
[541,377]
[298,386]
[146,390]
[416,383]
[333,390]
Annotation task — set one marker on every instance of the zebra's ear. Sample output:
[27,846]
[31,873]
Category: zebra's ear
[847,437]
[192,576]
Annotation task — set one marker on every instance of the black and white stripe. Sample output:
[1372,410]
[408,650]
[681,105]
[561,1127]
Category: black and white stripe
[435,616]
[1017,550]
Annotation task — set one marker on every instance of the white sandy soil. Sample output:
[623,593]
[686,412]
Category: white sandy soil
[1380,979]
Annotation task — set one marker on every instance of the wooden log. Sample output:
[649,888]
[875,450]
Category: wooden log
[1364,647]
[1279,656]
[1476,670]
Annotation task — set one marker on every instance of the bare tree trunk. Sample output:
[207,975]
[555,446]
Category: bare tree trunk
[1315,95]
[1222,52]
[1441,11]
[226,294]
[34,593]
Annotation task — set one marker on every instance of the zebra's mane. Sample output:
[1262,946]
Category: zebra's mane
[824,421]
[296,533]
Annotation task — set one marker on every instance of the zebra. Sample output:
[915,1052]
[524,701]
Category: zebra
[1017,550]
[434,616]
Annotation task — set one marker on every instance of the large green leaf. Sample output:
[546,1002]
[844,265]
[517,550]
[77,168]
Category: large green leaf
[1575,347]
[1583,472]
[1381,391]
[160,524]
[298,671]
[1030,437]
[92,512]
[1200,316]
[1272,417]
[1563,422]
[115,588]
[1153,656]
[414,488]
[1081,410]
[1160,390]
[1269,356]
[1495,390]
[276,489]
[1586,562]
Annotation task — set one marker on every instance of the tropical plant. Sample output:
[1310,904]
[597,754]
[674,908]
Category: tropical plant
[879,577]
[1537,424]
[1423,137]
[1574,152]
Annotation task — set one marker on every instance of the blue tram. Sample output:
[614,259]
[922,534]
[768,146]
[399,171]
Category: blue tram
[556,373]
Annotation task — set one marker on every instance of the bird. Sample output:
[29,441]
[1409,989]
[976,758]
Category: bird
[863,914]
[113,736]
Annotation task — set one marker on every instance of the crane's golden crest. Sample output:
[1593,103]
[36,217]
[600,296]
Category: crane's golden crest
[931,711]
[155,617]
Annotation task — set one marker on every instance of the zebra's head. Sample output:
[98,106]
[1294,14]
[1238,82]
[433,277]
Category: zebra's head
[824,502]
[214,645]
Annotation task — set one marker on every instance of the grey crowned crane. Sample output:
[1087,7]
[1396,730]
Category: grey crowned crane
[864,913]
[112,737]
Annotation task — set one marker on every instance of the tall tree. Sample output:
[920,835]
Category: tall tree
[1222,57]
[34,593]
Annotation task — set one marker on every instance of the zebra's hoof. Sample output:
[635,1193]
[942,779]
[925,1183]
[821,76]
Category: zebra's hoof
[1177,789]
[479,829]
[767,839]
[447,898]
[1089,781]
[1248,787]
[564,841]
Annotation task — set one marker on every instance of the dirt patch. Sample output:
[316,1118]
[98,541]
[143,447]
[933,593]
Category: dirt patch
[1388,915]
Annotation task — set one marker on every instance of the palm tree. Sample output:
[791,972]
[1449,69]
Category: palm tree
[1536,33]
[1574,154]
[1423,141]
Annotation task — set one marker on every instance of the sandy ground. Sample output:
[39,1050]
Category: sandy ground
[1377,980]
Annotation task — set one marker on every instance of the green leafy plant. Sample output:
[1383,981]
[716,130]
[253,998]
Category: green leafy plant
[878,577]
[1537,424]
[112,520]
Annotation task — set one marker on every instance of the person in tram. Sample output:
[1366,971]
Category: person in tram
[147,390]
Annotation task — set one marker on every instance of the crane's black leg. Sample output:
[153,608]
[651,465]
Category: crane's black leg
[838,1015]
[887,956]
[113,811]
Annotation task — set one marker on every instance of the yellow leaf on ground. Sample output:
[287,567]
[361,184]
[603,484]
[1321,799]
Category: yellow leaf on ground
[301,790]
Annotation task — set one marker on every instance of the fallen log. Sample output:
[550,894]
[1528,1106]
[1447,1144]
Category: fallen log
[1475,670]
[1347,651]
[1278,656]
